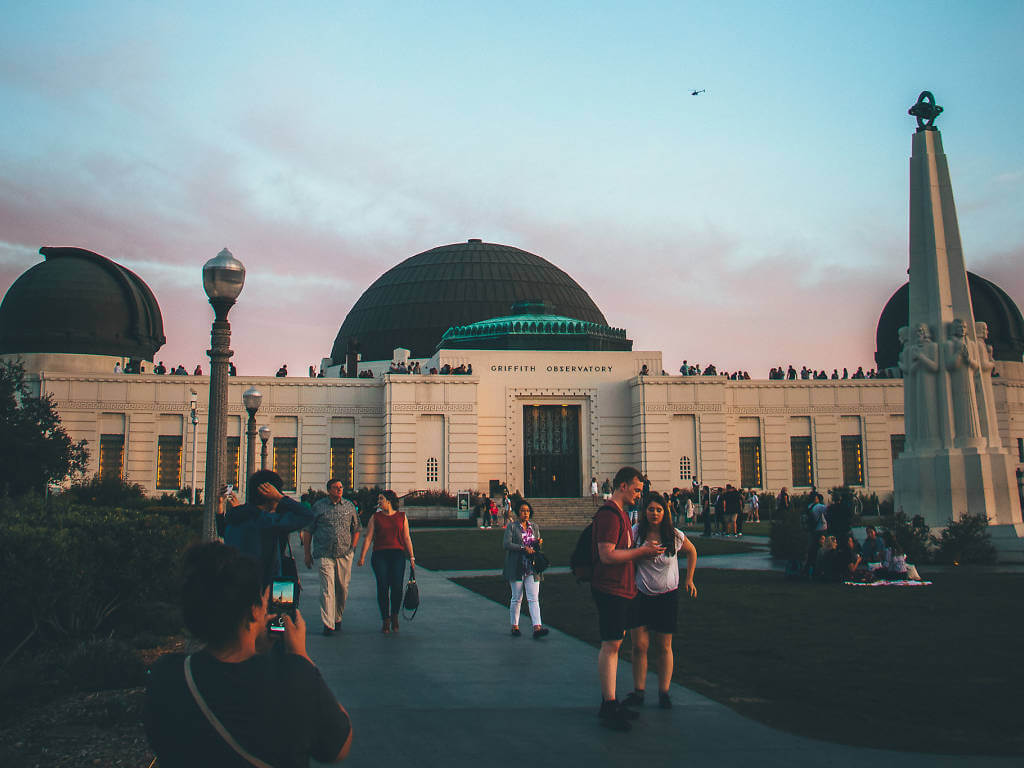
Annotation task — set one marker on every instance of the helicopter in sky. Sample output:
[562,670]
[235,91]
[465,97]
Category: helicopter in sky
[698,93]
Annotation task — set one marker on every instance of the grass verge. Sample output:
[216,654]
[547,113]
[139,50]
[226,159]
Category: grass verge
[928,669]
[478,550]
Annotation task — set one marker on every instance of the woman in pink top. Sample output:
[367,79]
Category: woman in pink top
[389,532]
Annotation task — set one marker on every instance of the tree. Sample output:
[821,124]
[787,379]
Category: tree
[34,448]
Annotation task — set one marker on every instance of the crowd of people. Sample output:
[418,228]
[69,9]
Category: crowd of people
[805,373]
[834,554]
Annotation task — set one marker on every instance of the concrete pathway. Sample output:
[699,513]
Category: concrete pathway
[454,689]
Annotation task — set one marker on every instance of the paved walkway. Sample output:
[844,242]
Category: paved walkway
[454,689]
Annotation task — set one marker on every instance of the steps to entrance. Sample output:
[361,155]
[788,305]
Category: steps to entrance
[563,513]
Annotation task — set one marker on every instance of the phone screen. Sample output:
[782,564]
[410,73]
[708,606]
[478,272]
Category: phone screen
[282,601]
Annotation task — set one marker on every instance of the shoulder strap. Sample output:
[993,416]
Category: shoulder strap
[212,718]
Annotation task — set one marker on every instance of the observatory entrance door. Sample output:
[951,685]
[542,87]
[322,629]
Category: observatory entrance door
[551,451]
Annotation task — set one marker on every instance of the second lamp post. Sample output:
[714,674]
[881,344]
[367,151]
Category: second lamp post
[252,398]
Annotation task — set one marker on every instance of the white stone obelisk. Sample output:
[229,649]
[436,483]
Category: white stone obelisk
[954,462]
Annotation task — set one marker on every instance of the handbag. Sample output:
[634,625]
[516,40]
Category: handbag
[539,561]
[218,726]
[411,600]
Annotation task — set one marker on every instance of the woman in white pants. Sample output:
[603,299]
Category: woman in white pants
[522,539]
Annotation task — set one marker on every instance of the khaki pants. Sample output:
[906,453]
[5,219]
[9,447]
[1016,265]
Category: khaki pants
[335,573]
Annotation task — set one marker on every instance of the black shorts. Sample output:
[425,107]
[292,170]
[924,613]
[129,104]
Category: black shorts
[656,612]
[612,614]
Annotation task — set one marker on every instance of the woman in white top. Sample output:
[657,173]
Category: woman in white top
[656,604]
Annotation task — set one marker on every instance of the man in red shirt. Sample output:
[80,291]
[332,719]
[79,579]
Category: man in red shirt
[614,586]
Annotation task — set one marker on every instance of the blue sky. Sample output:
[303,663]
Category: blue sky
[325,142]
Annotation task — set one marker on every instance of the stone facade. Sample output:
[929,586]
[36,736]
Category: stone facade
[672,427]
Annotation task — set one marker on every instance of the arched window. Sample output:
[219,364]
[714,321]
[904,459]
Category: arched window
[685,468]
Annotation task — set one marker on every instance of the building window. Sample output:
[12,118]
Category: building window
[750,462]
[896,445]
[234,454]
[343,460]
[112,457]
[1020,449]
[853,460]
[685,468]
[168,462]
[431,470]
[285,456]
[803,464]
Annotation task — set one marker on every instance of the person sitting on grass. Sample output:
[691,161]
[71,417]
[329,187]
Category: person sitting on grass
[895,562]
[847,561]
[873,548]
[230,703]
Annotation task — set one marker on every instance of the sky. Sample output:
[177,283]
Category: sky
[762,222]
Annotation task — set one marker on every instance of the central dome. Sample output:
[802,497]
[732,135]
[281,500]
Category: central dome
[414,303]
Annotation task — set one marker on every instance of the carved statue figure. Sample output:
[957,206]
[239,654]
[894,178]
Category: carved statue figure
[962,362]
[983,383]
[920,364]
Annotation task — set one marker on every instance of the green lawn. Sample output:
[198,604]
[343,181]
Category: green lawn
[925,669]
[472,549]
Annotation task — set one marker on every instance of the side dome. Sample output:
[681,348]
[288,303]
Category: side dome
[78,302]
[991,305]
[414,303]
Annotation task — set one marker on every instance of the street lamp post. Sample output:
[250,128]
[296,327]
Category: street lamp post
[193,407]
[223,277]
[252,398]
[264,436]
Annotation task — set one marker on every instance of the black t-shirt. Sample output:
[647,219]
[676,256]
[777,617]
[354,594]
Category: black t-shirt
[277,706]
[732,502]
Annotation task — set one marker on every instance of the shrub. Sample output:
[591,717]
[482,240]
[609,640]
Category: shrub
[98,491]
[312,496]
[965,540]
[109,561]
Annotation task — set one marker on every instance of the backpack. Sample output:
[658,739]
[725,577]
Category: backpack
[809,520]
[581,562]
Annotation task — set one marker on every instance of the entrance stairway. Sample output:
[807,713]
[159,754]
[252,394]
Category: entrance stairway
[563,513]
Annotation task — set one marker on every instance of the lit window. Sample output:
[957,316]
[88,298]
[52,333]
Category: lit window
[342,460]
[803,464]
[234,451]
[168,462]
[285,456]
[750,462]
[111,457]
[853,460]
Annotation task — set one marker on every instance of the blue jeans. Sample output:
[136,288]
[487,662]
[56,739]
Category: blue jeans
[389,568]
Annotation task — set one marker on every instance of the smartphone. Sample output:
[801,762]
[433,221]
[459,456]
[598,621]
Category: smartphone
[282,601]
[229,489]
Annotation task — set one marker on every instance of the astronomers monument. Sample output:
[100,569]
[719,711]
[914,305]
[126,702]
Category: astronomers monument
[954,462]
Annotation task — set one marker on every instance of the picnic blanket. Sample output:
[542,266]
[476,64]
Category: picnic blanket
[895,583]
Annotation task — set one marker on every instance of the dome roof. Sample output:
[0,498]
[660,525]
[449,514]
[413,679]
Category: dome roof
[78,302]
[991,305]
[415,302]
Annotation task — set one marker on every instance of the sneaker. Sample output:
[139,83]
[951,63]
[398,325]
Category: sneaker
[634,699]
[664,700]
[539,633]
[516,632]
[611,715]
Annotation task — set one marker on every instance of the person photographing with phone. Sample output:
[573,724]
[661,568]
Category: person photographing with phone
[260,527]
[229,704]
